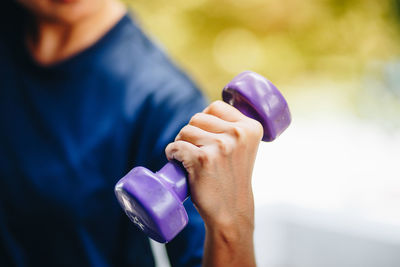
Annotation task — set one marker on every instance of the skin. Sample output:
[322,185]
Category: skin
[218,146]
[61,29]
[218,149]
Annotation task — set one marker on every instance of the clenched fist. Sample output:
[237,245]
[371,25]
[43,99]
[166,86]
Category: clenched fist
[218,149]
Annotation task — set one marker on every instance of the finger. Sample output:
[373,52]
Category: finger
[224,111]
[195,135]
[186,153]
[210,123]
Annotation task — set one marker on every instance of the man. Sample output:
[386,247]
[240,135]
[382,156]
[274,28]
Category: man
[84,97]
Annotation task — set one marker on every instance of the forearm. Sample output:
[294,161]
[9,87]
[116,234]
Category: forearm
[229,245]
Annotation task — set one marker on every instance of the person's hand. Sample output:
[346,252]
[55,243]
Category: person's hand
[218,148]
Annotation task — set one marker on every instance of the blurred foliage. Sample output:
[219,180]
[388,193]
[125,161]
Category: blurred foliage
[290,41]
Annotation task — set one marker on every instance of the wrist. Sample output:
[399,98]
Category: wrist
[231,231]
[229,243]
[234,221]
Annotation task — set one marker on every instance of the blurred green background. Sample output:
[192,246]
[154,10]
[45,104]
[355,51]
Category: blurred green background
[331,52]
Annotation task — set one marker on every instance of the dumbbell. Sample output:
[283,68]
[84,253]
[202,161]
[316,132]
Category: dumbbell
[154,201]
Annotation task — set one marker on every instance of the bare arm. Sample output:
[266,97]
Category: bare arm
[218,149]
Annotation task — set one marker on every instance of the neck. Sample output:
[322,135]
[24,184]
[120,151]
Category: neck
[52,41]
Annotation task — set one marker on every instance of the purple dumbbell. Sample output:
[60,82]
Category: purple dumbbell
[154,201]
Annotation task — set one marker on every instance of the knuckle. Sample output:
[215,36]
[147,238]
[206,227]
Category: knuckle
[215,106]
[195,118]
[223,146]
[202,158]
[238,132]
[185,130]
[257,129]
[219,103]
[254,128]
[182,133]
[169,147]
[178,136]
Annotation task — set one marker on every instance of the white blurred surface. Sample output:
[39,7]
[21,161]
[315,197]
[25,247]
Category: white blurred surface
[327,193]
[330,165]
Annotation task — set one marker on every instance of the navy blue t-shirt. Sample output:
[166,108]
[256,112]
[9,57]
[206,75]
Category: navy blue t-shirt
[69,132]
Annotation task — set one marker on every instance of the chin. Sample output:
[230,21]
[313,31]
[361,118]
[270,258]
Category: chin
[63,11]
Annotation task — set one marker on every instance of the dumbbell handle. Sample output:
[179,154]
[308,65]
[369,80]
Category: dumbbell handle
[173,175]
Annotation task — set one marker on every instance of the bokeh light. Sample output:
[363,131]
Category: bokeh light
[289,41]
